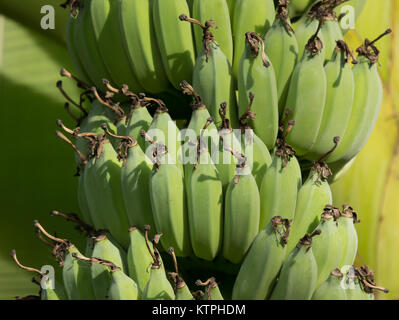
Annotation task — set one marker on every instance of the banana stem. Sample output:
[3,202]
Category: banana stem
[253,40]
[75,148]
[109,87]
[247,114]
[61,89]
[282,14]
[84,227]
[117,109]
[336,142]
[14,256]
[58,240]
[65,73]
[156,260]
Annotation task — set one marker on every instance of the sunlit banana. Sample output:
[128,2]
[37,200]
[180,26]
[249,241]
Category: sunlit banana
[298,276]
[307,97]
[262,264]
[218,11]
[313,197]
[282,49]
[331,289]
[327,248]
[212,78]
[366,103]
[279,188]
[168,202]
[138,35]
[177,52]
[242,212]
[348,235]
[339,100]
[256,75]
[249,16]
[53,290]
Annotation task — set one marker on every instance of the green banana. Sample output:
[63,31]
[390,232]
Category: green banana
[212,78]
[262,264]
[218,11]
[366,104]
[168,202]
[298,276]
[348,235]
[138,259]
[103,189]
[106,249]
[135,175]
[75,274]
[327,247]
[138,36]
[307,97]
[331,288]
[158,286]
[177,52]
[339,99]
[231,4]
[122,287]
[164,130]
[242,212]
[256,75]
[72,49]
[279,188]
[104,16]
[282,49]
[182,292]
[89,54]
[212,289]
[50,289]
[307,27]
[205,205]
[249,15]
[225,161]
[258,156]
[314,196]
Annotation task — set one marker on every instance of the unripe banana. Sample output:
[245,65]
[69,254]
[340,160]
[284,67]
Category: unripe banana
[75,274]
[158,287]
[339,100]
[298,276]
[282,49]
[249,15]
[138,35]
[348,235]
[279,188]
[205,205]
[256,75]
[177,51]
[89,54]
[105,16]
[164,130]
[218,11]
[307,97]
[135,176]
[258,156]
[212,78]
[122,287]
[72,49]
[313,197]
[242,213]
[182,292]
[306,27]
[53,289]
[168,202]
[331,289]
[327,247]
[231,4]
[212,291]
[262,264]
[105,249]
[366,104]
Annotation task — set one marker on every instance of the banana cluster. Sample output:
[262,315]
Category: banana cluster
[241,188]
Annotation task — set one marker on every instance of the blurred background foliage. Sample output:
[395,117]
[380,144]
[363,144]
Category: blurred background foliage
[38,169]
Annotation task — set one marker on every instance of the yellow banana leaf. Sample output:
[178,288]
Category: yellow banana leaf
[371,186]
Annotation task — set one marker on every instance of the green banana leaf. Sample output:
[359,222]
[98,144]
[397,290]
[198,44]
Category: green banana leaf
[38,168]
